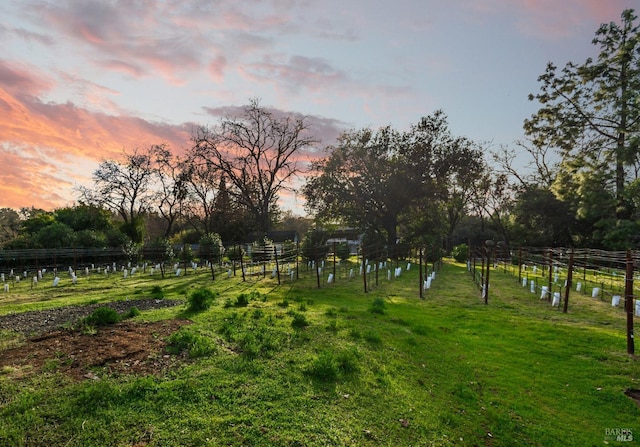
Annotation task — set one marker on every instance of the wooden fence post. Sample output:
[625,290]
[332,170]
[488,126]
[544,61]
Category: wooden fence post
[628,302]
[364,269]
[241,262]
[334,260]
[520,265]
[550,292]
[569,281]
[275,254]
[420,279]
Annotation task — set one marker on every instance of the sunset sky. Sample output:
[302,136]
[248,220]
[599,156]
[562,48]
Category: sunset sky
[83,80]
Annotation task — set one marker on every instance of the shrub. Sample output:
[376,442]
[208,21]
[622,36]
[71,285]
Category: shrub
[242,300]
[201,299]
[132,312]
[157,292]
[460,252]
[102,316]
[299,321]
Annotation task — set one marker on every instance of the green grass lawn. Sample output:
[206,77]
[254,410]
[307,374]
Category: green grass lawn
[301,366]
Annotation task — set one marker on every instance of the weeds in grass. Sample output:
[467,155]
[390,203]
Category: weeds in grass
[378,306]
[332,326]
[51,365]
[283,304]
[323,368]
[420,330]
[372,337]
[191,342]
[400,321]
[244,299]
[331,366]
[331,312]
[254,338]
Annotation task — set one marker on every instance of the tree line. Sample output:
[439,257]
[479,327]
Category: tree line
[420,187]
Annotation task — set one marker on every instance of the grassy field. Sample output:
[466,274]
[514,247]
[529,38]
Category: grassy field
[292,365]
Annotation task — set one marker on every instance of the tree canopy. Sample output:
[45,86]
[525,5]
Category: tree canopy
[372,180]
[589,112]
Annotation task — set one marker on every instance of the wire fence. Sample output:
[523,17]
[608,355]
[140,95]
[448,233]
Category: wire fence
[554,274]
[282,262]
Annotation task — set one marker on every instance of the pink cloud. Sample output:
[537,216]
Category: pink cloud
[217,67]
[550,19]
[46,146]
[578,10]
[17,78]
[152,38]
[27,181]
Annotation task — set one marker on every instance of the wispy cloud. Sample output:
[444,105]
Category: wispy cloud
[326,130]
[549,19]
[296,72]
[26,35]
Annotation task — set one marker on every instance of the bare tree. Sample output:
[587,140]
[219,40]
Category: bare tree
[203,180]
[171,173]
[493,200]
[256,152]
[124,188]
[540,170]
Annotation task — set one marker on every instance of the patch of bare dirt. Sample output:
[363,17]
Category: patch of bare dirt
[123,348]
[41,321]
[633,394]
